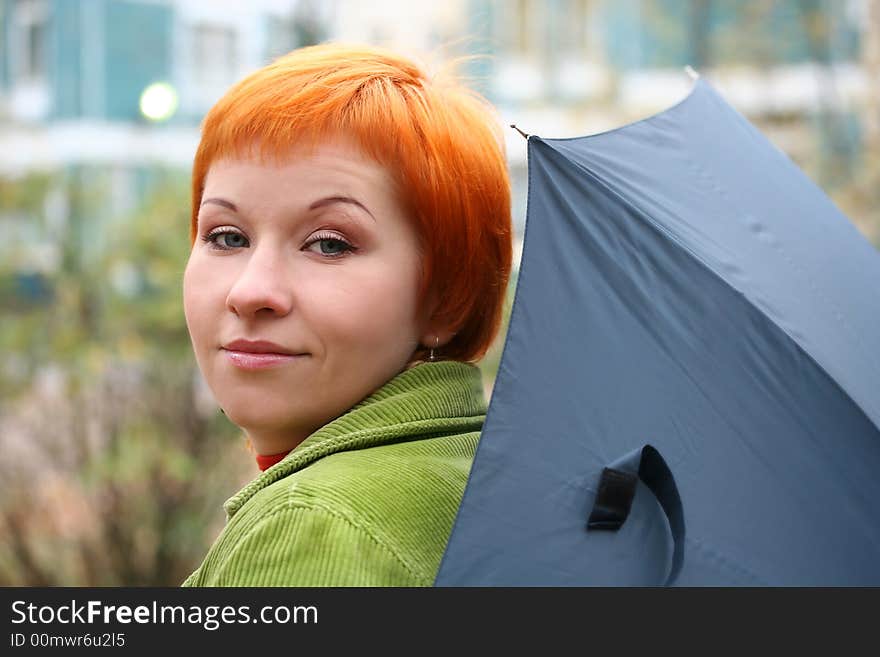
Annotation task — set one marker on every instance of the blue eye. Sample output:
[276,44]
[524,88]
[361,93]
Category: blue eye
[234,240]
[225,239]
[336,246]
[332,246]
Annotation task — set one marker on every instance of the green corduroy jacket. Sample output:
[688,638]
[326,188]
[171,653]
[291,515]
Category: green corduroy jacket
[369,499]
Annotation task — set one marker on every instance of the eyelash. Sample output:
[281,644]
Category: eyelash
[320,237]
[211,239]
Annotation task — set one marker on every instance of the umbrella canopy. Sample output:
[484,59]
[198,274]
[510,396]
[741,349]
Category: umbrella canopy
[689,392]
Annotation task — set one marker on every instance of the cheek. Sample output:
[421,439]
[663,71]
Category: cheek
[200,290]
[369,307]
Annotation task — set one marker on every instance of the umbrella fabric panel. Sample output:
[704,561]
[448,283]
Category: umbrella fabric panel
[711,180]
[620,337]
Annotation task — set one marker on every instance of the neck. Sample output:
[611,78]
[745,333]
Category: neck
[270,443]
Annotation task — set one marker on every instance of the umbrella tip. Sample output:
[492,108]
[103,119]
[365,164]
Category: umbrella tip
[691,72]
[512,125]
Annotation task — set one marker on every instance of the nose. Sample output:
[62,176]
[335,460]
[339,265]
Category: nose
[262,287]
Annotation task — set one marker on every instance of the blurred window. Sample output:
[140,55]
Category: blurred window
[213,61]
[572,24]
[30,21]
[517,26]
[280,37]
[522,38]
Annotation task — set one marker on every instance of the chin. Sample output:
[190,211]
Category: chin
[259,418]
[256,417]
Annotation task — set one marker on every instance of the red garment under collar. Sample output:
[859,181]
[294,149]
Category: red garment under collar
[265,461]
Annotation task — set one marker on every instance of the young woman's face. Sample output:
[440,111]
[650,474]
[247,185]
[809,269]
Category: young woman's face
[300,291]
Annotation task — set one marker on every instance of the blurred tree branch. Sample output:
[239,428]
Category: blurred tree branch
[113,470]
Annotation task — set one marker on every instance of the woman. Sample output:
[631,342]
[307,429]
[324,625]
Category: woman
[351,250]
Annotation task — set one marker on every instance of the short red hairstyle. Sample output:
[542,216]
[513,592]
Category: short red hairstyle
[439,140]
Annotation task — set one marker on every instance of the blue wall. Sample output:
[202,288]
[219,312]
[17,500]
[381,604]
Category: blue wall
[65,59]
[4,39]
[659,33]
[138,50]
[111,49]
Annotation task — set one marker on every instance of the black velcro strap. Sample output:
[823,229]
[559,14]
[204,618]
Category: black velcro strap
[613,500]
[617,488]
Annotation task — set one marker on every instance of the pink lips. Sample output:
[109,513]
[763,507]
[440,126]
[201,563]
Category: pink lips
[258,354]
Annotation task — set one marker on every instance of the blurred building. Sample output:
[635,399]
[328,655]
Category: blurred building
[562,68]
[73,73]
[104,98]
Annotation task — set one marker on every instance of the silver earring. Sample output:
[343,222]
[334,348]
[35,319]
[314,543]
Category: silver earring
[431,355]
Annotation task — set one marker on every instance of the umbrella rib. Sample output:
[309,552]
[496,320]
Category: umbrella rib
[524,134]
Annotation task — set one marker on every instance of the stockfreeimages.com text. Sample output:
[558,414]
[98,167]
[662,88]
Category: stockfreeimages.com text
[210,617]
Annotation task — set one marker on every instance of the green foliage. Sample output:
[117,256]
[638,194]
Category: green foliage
[490,362]
[114,469]
[143,267]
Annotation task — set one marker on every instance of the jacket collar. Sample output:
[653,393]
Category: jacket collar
[444,396]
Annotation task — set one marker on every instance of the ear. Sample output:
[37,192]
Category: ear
[434,334]
[436,339]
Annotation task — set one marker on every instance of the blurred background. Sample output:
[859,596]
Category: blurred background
[114,460]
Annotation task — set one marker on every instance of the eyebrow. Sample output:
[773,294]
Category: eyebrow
[340,199]
[220,201]
[329,200]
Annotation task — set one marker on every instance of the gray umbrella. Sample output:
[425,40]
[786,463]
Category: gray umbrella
[689,392]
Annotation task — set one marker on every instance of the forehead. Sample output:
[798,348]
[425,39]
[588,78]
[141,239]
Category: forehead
[336,160]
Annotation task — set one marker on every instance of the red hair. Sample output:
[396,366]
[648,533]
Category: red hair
[439,140]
